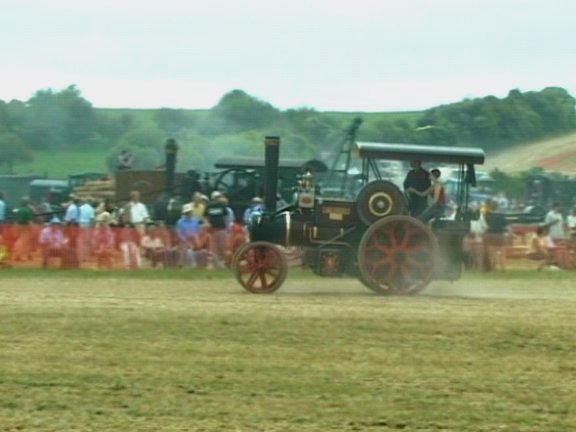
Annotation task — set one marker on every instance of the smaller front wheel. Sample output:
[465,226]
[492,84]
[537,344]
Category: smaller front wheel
[260,267]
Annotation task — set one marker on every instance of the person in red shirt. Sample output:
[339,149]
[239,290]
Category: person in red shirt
[436,191]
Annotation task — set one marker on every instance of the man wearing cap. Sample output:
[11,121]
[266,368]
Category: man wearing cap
[187,228]
[217,214]
[256,207]
[52,241]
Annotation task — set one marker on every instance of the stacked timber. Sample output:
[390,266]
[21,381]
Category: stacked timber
[95,190]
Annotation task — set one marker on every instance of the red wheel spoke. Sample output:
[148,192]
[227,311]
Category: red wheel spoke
[263,280]
[407,237]
[391,276]
[273,272]
[253,277]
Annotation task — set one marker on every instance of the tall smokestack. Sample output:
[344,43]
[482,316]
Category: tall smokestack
[271,161]
[171,148]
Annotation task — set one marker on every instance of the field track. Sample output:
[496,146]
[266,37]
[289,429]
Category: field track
[96,352]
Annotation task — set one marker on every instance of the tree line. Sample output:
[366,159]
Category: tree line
[57,120]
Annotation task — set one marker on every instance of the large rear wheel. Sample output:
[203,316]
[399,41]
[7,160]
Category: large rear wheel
[260,267]
[397,255]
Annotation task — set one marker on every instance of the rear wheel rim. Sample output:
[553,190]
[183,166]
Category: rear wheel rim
[397,255]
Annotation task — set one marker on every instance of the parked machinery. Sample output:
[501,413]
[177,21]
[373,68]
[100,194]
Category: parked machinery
[370,237]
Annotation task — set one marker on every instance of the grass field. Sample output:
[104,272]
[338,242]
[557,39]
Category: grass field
[97,351]
[65,162]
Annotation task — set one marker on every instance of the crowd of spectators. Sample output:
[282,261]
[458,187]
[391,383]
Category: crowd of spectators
[207,233]
[551,243]
[85,234]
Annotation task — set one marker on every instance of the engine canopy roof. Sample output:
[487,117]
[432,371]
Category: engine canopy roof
[424,153]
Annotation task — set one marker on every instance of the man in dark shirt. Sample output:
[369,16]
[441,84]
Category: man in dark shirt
[216,214]
[419,179]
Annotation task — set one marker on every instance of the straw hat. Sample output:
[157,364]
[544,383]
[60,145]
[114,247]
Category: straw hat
[104,218]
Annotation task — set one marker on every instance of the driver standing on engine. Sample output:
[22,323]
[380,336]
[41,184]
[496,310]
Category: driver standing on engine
[419,179]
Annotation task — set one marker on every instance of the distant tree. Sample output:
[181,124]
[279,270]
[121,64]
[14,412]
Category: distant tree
[495,123]
[12,151]
[237,111]
[112,126]
[59,120]
[172,121]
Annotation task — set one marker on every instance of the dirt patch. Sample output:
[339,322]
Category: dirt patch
[557,154]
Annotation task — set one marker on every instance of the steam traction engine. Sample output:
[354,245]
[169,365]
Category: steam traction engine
[370,237]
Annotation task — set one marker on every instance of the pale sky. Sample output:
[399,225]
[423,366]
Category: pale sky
[330,55]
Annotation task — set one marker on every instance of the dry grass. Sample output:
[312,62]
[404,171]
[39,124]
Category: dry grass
[555,154]
[121,354]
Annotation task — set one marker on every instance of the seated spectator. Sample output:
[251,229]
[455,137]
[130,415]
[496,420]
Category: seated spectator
[103,241]
[541,246]
[3,252]
[203,247]
[129,247]
[153,248]
[52,241]
[236,239]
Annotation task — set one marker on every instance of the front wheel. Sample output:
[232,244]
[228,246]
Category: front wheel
[260,267]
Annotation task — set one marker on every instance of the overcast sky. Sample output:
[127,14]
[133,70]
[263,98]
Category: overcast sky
[331,55]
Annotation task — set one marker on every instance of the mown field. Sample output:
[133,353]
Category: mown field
[177,351]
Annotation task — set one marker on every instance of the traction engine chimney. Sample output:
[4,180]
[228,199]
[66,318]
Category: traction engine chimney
[171,148]
[271,161]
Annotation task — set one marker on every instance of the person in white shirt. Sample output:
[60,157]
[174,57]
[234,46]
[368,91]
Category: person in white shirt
[571,224]
[86,215]
[72,213]
[138,214]
[555,222]
[2,208]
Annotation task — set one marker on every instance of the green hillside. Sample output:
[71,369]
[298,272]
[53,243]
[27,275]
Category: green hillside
[61,163]
[58,164]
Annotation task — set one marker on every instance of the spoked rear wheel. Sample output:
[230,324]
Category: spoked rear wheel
[397,255]
[260,267]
